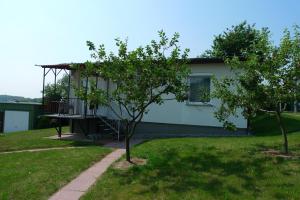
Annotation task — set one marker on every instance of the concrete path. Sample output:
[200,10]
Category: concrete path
[121,144]
[76,188]
[70,136]
[43,149]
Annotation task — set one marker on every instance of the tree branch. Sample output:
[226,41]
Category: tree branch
[267,111]
[127,110]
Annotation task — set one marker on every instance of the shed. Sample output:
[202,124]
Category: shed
[18,116]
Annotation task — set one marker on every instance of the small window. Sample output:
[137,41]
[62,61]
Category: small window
[199,89]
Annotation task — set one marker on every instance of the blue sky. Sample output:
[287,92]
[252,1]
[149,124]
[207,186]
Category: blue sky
[55,31]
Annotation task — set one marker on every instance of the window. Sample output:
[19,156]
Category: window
[199,89]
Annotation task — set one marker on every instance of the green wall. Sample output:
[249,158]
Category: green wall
[34,111]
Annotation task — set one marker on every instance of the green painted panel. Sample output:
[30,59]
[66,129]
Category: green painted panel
[34,111]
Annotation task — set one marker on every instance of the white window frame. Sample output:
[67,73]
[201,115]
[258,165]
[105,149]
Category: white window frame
[188,102]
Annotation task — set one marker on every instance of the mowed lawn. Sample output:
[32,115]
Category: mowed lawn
[37,175]
[33,139]
[210,168]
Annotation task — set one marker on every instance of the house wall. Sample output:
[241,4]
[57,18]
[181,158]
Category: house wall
[183,113]
[78,104]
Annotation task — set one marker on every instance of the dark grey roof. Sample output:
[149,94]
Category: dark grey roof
[191,61]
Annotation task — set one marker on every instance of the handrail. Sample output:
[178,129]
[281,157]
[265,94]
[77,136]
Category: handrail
[112,124]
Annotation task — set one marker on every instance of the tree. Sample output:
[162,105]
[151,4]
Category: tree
[141,77]
[237,41]
[54,92]
[240,41]
[263,82]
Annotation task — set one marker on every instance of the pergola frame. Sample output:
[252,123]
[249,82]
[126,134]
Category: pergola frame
[56,69]
[56,72]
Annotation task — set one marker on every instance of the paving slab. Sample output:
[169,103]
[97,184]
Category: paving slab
[41,149]
[77,187]
[121,144]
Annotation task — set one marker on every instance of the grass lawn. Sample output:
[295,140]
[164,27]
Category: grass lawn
[37,175]
[209,168]
[33,139]
[265,125]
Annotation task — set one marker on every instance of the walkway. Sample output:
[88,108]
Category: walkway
[76,188]
[42,149]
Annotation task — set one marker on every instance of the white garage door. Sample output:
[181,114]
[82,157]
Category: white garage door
[16,121]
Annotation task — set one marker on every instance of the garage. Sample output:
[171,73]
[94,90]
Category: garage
[18,116]
[16,121]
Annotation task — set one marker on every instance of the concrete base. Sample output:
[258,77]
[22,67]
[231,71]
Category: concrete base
[148,130]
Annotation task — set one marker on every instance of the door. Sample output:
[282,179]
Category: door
[16,121]
[1,121]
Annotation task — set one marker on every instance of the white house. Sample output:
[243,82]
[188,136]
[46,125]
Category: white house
[171,119]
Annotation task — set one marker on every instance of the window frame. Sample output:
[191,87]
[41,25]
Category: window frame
[199,103]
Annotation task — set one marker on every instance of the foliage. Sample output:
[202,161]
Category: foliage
[237,41]
[60,90]
[9,98]
[262,82]
[139,78]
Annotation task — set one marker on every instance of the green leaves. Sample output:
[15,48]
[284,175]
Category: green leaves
[238,41]
[266,77]
[90,45]
[139,77]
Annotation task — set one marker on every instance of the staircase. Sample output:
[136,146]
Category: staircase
[110,127]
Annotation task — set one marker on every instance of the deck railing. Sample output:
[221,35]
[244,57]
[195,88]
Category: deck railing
[73,106]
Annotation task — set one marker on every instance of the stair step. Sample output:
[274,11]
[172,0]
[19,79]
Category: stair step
[102,125]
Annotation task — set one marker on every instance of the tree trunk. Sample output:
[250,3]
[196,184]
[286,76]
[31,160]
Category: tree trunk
[127,146]
[129,132]
[283,132]
[248,126]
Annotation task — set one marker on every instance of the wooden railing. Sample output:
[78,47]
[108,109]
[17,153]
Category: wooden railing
[73,106]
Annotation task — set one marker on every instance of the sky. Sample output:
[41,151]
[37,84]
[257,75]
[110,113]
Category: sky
[55,31]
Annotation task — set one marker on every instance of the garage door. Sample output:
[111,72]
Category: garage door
[16,121]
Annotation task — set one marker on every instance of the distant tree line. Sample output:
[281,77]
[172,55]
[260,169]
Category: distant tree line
[9,98]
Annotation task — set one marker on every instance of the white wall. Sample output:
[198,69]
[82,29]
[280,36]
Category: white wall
[16,121]
[174,112]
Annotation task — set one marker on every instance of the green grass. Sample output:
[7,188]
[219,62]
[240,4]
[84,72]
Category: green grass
[33,139]
[37,175]
[266,124]
[209,168]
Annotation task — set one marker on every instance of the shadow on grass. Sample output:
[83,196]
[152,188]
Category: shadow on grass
[202,171]
[267,125]
[81,143]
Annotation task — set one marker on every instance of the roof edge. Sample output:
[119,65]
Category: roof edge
[190,61]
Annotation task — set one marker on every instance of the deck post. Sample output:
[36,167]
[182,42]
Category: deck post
[69,83]
[69,86]
[59,127]
[55,80]
[85,100]
[43,94]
